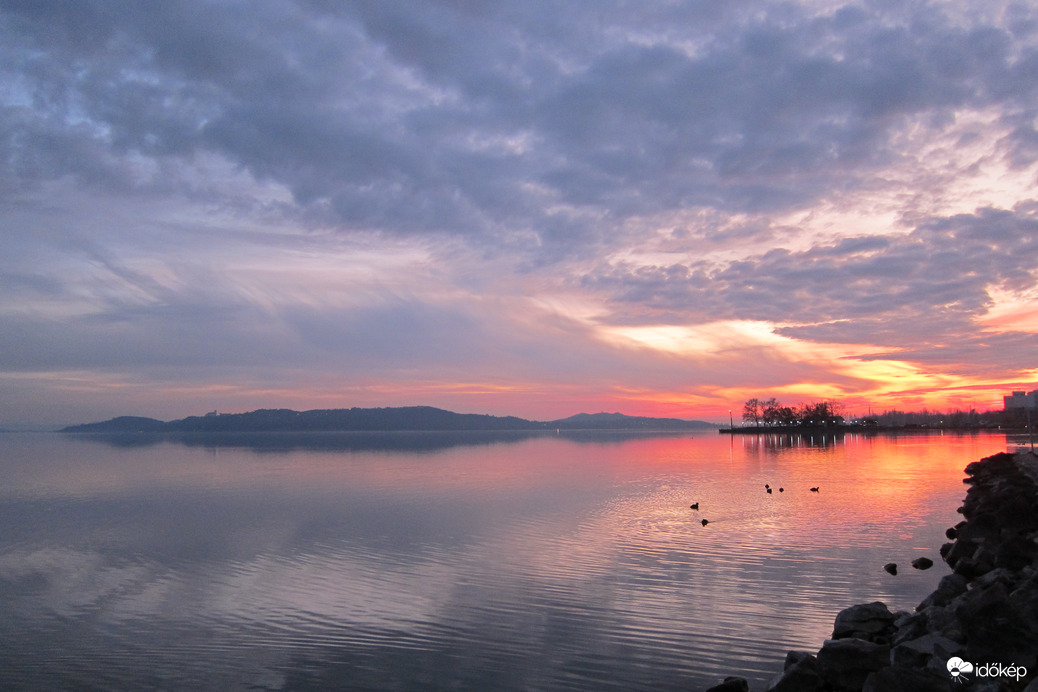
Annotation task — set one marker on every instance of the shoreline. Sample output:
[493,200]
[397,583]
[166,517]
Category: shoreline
[985,613]
[859,429]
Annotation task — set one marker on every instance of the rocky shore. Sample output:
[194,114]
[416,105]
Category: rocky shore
[977,631]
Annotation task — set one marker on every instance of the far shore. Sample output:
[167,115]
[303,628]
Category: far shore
[858,429]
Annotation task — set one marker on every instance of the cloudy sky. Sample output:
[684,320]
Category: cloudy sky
[532,208]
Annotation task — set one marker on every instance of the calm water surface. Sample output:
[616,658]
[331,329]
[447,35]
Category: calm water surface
[434,562]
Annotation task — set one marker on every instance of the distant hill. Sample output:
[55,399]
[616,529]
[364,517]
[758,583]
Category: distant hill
[120,424]
[416,418]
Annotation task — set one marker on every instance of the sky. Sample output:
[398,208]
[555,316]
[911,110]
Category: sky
[528,208]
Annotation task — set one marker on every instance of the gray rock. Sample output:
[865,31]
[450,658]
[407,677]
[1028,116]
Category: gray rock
[910,627]
[1016,552]
[869,621]
[999,627]
[895,679]
[802,676]
[948,588]
[845,663]
[999,575]
[731,684]
[987,686]
[922,563]
[943,621]
[917,653]
[795,657]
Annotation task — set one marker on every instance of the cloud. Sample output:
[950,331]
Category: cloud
[921,293]
[378,192]
[473,118]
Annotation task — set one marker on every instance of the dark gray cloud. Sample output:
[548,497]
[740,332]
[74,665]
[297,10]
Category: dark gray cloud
[476,118]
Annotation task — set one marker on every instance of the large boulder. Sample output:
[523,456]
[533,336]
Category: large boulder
[801,674]
[948,588]
[869,621]
[846,663]
[732,684]
[999,625]
[917,653]
[895,679]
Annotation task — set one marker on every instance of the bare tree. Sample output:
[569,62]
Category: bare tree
[751,411]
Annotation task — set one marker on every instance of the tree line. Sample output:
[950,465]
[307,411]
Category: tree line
[771,412]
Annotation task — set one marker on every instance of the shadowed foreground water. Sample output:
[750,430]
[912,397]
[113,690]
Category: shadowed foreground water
[472,562]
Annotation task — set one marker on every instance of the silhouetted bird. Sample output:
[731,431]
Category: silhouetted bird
[782,490]
[814,490]
[694,506]
[705,522]
[767,486]
[769,491]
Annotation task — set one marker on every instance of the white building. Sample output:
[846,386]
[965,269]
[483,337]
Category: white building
[1021,400]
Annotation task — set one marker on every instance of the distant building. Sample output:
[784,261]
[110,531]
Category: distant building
[1021,400]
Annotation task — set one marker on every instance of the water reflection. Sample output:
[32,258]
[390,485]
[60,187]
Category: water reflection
[774,442]
[361,441]
[547,563]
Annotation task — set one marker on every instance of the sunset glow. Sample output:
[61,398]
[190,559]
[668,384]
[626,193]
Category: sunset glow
[516,209]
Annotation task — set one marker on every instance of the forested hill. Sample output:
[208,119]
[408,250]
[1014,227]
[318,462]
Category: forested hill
[418,418]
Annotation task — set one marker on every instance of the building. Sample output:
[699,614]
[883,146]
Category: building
[1021,400]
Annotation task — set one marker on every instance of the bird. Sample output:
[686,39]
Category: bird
[694,506]
[782,490]
[814,490]
[769,491]
[705,522]
[767,486]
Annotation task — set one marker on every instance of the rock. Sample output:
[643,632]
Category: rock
[846,663]
[922,563]
[997,628]
[890,567]
[795,657]
[999,575]
[1016,552]
[910,627]
[943,621]
[731,684]
[898,679]
[917,653]
[868,621]
[802,675]
[948,588]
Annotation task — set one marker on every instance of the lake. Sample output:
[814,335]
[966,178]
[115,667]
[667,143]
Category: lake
[475,561]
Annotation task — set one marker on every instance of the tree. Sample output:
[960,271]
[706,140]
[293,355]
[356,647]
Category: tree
[770,411]
[820,413]
[751,411]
